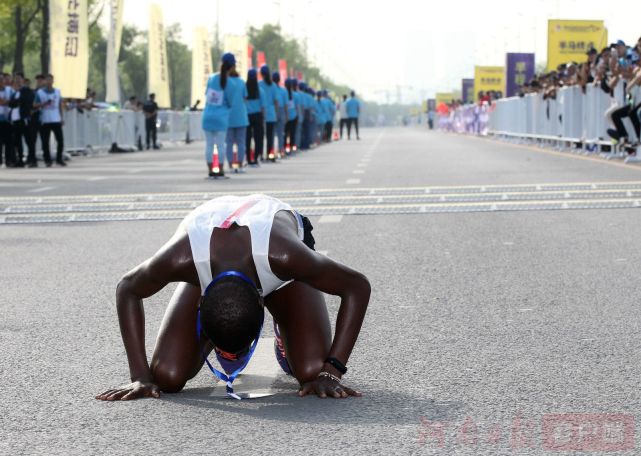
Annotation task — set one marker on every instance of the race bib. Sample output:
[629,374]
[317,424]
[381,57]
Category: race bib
[214,97]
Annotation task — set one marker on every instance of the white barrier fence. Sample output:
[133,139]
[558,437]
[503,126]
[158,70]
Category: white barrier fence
[574,119]
[93,131]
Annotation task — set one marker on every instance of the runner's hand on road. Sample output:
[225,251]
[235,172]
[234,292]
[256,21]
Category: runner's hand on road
[325,386]
[134,390]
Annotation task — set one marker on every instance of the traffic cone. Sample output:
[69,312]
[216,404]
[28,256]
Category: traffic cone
[270,155]
[216,169]
[335,136]
[234,162]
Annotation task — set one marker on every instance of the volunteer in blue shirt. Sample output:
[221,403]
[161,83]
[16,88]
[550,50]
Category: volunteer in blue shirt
[282,96]
[312,116]
[353,109]
[256,102]
[215,119]
[319,110]
[330,111]
[306,116]
[292,118]
[298,102]
[238,120]
[272,96]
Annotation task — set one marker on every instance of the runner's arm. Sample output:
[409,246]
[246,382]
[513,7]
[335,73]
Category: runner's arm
[324,274]
[169,264]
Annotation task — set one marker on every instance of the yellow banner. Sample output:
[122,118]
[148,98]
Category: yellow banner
[488,78]
[113,51]
[238,45]
[568,41]
[158,71]
[201,67]
[444,97]
[69,46]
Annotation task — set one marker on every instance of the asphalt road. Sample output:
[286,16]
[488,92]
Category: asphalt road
[504,308]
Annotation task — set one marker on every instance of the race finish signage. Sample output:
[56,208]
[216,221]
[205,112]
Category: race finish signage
[70,46]
[568,41]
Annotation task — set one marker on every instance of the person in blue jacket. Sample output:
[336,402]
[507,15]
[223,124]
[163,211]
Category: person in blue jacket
[256,102]
[272,96]
[330,111]
[238,120]
[292,118]
[307,115]
[281,114]
[215,119]
[312,116]
[353,109]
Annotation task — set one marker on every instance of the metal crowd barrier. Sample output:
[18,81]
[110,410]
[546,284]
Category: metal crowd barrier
[94,131]
[574,120]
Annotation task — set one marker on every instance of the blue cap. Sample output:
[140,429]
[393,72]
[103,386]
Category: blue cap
[302,86]
[251,74]
[319,93]
[324,92]
[620,43]
[229,59]
[264,70]
[276,76]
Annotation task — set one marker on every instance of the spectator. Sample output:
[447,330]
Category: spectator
[23,123]
[49,100]
[353,108]
[131,104]
[150,108]
[5,125]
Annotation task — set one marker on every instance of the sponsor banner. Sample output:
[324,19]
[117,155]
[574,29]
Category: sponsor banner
[260,59]
[239,46]
[282,69]
[467,90]
[519,68]
[488,78]
[569,40]
[201,66]
[250,59]
[113,51]
[158,72]
[444,97]
[69,31]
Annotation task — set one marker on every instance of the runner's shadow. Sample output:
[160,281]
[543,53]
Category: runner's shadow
[375,407]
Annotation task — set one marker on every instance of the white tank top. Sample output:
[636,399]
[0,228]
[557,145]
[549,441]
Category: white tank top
[256,212]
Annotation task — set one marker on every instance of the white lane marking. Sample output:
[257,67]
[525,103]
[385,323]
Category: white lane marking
[621,260]
[362,165]
[525,310]
[508,243]
[97,178]
[40,189]
[353,181]
[358,171]
[330,219]
[134,171]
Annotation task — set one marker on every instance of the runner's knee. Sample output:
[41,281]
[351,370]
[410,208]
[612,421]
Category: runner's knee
[168,378]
